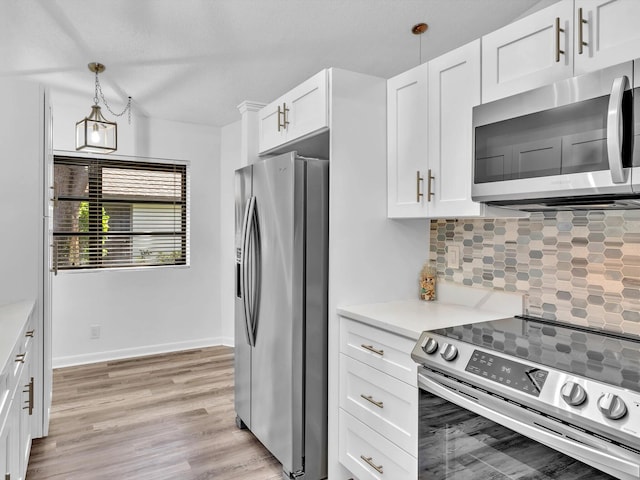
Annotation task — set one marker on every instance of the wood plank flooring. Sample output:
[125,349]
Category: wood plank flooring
[160,417]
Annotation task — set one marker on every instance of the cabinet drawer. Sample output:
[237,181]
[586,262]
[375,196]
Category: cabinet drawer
[382,402]
[359,443]
[380,349]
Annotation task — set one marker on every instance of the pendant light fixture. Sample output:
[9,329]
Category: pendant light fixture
[419,29]
[95,133]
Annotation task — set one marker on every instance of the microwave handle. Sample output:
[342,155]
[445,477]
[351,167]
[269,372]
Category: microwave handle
[615,130]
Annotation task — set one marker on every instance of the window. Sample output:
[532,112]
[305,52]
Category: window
[114,213]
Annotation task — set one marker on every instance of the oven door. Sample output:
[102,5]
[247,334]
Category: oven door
[460,438]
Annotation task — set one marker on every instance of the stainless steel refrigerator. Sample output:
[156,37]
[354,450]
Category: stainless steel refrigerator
[281,243]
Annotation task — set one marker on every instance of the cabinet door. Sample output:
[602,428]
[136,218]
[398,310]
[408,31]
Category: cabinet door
[5,454]
[271,130]
[300,112]
[454,89]
[306,107]
[23,398]
[609,33]
[11,434]
[407,144]
[534,51]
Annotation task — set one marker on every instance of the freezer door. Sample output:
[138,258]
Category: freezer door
[242,352]
[277,359]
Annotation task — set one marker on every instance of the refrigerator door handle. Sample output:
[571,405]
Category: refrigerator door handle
[248,271]
[244,267]
[255,266]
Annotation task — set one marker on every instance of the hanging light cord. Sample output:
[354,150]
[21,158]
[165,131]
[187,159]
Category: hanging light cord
[127,108]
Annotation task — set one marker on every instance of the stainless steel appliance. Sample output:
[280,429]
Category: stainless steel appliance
[568,145]
[281,309]
[526,398]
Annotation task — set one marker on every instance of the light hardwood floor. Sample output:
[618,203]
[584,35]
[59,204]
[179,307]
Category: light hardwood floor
[153,418]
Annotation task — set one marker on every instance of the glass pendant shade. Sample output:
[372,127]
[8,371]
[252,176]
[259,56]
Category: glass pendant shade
[96,134]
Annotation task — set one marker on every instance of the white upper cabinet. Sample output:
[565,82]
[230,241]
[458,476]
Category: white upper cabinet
[407,166]
[531,52]
[429,129]
[454,89]
[301,112]
[607,33]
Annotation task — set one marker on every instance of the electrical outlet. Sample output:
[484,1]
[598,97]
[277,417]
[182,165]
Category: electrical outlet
[94,332]
[453,256]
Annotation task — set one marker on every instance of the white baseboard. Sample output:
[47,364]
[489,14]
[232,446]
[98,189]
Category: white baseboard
[95,357]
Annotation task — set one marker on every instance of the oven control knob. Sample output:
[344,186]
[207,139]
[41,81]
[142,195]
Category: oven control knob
[573,394]
[449,352]
[612,406]
[430,345]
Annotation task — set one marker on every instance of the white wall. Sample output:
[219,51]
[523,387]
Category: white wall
[20,189]
[152,310]
[230,160]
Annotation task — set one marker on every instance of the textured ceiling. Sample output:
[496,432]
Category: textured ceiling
[196,60]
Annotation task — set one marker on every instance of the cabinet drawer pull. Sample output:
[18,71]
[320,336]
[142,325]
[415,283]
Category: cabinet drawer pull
[20,357]
[372,349]
[581,22]
[418,192]
[30,333]
[369,460]
[558,31]
[370,399]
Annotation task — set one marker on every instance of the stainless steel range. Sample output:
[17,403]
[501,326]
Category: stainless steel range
[522,397]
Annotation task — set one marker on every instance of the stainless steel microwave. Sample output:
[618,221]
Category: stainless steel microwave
[568,145]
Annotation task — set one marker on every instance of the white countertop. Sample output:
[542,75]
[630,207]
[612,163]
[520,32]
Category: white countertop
[12,319]
[454,305]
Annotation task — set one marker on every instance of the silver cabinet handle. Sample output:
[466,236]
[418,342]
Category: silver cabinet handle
[372,349]
[581,22]
[20,357]
[282,113]
[29,333]
[369,460]
[370,399]
[29,390]
[558,31]
[418,192]
[615,130]
[430,192]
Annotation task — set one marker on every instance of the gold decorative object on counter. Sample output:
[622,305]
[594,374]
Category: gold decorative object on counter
[428,282]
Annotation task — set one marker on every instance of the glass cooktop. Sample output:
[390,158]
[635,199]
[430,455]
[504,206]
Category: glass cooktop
[604,356]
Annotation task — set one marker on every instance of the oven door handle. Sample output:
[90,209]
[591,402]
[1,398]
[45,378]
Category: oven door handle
[620,467]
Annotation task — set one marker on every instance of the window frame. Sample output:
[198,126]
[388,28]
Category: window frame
[125,162]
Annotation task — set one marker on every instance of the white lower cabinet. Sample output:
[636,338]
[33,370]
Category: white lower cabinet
[16,396]
[378,420]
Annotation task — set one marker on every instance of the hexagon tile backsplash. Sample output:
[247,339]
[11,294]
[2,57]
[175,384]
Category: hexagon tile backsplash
[579,267]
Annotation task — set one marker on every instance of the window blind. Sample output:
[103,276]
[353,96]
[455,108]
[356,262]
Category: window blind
[114,213]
